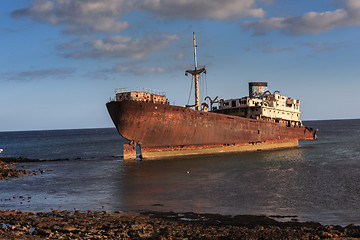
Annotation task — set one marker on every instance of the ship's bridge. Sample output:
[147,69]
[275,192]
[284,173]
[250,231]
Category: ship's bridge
[263,104]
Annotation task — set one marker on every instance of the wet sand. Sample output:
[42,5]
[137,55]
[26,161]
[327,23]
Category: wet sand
[152,225]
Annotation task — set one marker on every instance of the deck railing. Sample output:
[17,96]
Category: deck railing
[140,89]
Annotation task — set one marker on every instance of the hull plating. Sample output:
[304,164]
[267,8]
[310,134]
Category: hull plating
[161,127]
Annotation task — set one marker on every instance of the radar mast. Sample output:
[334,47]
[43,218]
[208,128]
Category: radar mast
[196,72]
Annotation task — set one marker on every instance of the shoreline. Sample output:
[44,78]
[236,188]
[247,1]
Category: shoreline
[148,225]
[9,169]
[160,225]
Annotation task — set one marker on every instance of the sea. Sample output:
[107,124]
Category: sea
[84,170]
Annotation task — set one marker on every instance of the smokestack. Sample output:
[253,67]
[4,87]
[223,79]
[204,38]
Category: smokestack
[257,88]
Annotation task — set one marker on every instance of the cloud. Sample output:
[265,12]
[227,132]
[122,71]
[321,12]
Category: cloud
[309,23]
[268,2]
[263,25]
[266,49]
[120,46]
[104,20]
[105,16]
[127,67]
[69,45]
[138,70]
[75,43]
[180,56]
[78,17]
[40,74]
[323,46]
[135,67]
[202,9]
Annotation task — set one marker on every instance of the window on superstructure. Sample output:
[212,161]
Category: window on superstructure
[233,103]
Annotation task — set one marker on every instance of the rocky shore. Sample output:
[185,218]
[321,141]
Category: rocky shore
[154,225]
[9,169]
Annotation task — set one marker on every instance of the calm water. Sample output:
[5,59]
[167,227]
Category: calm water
[317,182]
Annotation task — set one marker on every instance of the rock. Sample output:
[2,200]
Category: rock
[101,225]
[69,229]
[42,232]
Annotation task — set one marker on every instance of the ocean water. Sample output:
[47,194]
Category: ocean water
[319,181]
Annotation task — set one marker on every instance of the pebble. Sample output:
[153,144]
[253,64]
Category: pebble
[7,171]
[156,225]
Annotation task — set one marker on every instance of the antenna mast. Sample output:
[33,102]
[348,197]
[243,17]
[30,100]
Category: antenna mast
[196,74]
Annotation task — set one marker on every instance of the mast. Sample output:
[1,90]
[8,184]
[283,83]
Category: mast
[196,74]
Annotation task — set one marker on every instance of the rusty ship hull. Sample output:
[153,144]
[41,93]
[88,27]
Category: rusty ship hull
[165,130]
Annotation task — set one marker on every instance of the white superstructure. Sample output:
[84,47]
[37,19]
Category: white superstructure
[263,105]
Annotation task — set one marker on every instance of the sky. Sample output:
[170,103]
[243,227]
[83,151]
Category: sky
[61,60]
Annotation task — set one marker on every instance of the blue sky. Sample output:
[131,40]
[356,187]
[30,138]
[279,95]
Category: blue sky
[61,60]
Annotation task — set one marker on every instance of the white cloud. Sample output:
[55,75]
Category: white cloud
[309,23]
[203,9]
[121,46]
[263,25]
[92,16]
[78,16]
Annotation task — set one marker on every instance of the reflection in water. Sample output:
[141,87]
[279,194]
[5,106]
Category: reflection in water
[246,183]
[282,182]
[316,182]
